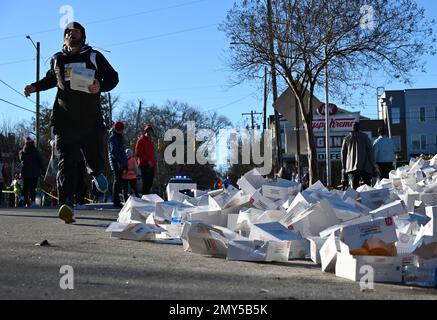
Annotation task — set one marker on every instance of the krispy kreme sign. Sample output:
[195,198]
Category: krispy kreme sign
[338,122]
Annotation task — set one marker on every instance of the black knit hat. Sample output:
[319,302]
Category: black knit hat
[76,25]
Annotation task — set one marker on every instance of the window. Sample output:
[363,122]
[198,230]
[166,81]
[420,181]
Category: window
[422,114]
[395,115]
[415,142]
[418,142]
[397,143]
[422,142]
[435,149]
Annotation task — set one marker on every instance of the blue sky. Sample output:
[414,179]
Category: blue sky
[169,49]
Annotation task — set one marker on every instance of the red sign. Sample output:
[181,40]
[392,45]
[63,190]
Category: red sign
[332,109]
[335,124]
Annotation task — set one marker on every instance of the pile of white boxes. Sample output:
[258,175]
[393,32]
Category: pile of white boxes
[387,227]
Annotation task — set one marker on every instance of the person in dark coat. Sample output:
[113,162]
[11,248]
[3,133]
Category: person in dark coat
[357,157]
[76,117]
[117,160]
[32,168]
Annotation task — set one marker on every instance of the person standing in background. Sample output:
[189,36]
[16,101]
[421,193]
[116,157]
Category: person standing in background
[357,157]
[130,175]
[32,168]
[2,180]
[117,160]
[384,151]
[145,152]
[17,186]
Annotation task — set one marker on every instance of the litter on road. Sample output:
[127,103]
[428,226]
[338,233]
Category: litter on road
[389,230]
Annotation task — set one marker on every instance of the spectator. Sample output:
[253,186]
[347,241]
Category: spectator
[145,152]
[31,170]
[227,182]
[2,180]
[117,160]
[357,157]
[218,184]
[17,187]
[285,172]
[130,175]
[384,151]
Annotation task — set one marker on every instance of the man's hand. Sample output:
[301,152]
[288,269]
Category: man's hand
[95,87]
[150,163]
[28,90]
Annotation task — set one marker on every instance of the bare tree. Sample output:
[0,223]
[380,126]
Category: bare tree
[173,115]
[356,39]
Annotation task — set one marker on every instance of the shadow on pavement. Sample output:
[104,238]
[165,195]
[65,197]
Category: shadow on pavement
[55,217]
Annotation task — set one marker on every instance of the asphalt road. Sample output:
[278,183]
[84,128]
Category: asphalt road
[109,268]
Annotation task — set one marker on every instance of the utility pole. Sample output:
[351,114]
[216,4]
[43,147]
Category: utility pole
[265,100]
[328,156]
[274,84]
[38,58]
[37,107]
[252,115]
[299,164]
[138,120]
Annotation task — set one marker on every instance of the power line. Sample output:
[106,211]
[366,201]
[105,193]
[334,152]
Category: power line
[231,103]
[15,62]
[145,12]
[17,106]
[161,35]
[13,89]
[111,19]
[169,90]
[133,41]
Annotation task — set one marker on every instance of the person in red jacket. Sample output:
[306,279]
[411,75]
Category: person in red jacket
[145,152]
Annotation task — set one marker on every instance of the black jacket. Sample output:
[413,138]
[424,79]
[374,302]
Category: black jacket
[75,113]
[116,152]
[32,162]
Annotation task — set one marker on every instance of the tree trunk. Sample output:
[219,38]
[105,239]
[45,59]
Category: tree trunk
[312,155]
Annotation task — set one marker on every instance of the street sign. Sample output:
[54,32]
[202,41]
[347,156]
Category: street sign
[335,156]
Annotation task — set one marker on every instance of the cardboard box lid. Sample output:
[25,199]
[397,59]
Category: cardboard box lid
[274,231]
[154,198]
[355,235]
[258,250]
[251,181]
[315,219]
[394,208]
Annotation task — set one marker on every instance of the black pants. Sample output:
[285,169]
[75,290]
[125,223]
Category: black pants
[81,189]
[358,175]
[133,186]
[385,168]
[29,189]
[147,175]
[116,188]
[71,155]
